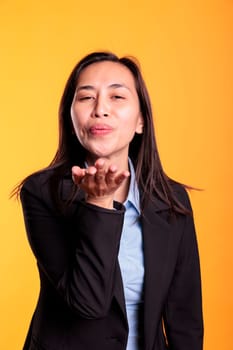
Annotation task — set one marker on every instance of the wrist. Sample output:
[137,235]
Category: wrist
[104,202]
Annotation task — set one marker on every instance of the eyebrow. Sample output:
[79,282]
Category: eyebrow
[91,87]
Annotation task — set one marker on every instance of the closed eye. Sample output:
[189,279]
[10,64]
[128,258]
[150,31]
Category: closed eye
[84,98]
[117,97]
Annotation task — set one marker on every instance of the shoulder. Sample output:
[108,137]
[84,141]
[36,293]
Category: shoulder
[50,187]
[36,181]
[46,183]
[36,190]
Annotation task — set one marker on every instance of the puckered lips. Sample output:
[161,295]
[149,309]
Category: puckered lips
[100,129]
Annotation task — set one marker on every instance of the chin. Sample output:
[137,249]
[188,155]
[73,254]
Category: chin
[95,154]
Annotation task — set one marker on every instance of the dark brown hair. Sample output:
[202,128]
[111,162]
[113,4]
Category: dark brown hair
[143,150]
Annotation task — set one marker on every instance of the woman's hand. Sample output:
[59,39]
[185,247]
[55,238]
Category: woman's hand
[99,182]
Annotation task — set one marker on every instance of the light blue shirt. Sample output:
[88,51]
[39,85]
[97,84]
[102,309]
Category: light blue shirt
[132,263]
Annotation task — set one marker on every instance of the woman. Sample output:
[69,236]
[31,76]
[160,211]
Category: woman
[113,236]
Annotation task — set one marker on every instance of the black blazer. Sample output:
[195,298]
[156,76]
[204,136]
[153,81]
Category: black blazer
[81,303]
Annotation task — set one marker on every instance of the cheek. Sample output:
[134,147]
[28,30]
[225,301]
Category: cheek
[129,115]
[128,132]
[76,117]
[73,115]
[131,119]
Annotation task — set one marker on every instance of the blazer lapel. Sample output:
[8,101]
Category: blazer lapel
[156,236]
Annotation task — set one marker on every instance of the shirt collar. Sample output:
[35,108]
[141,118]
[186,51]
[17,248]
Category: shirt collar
[133,194]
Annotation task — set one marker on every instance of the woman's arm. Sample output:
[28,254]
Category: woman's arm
[77,254]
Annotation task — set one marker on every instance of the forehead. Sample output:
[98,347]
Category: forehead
[106,72]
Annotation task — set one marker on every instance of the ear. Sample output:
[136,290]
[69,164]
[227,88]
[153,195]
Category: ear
[140,124]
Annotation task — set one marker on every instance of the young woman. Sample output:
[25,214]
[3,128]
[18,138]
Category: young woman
[113,236]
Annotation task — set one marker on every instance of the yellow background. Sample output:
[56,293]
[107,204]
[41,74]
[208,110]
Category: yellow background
[186,53]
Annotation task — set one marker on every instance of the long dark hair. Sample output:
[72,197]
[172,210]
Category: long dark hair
[143,150]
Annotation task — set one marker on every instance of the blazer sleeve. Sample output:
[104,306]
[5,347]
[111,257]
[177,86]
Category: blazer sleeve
[78,254]
[183,311]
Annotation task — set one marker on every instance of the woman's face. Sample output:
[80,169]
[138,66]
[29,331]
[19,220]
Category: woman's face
[105,110]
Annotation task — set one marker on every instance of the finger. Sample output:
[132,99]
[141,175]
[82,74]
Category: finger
[77,174]
[121,177]
[100,163]
[89,177]
[111,174]
[101,171]
[90,171]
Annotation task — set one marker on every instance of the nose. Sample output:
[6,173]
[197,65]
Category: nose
[101,108]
